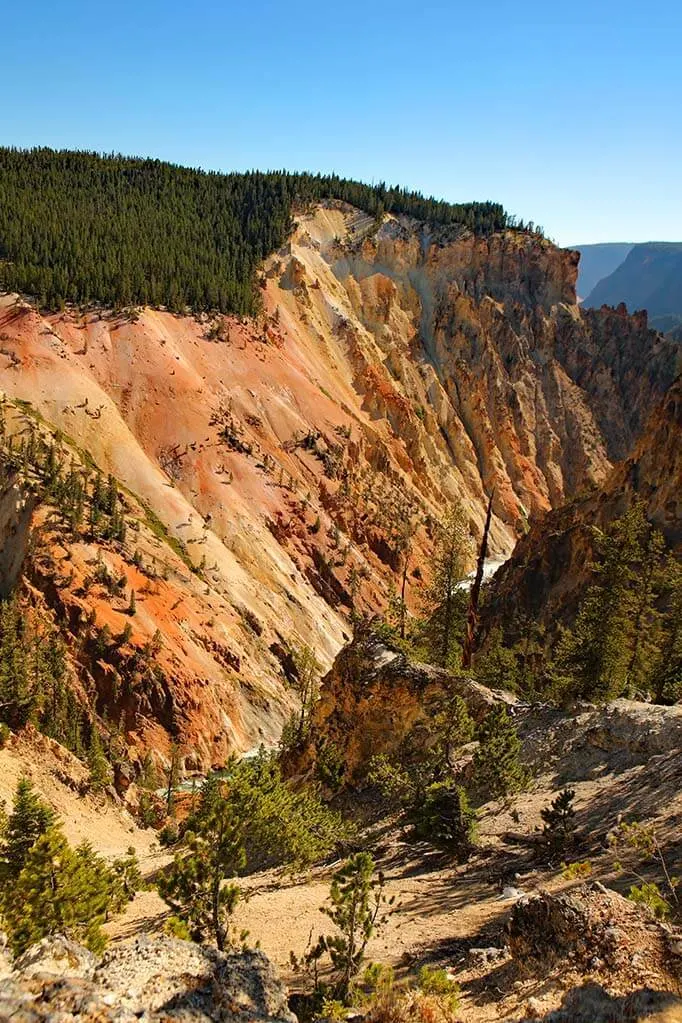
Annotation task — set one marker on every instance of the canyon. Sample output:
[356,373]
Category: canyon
[274,468]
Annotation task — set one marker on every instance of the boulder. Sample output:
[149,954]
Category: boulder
[596,931]
[373,698]
[155,978]
[56,956]
[5,958]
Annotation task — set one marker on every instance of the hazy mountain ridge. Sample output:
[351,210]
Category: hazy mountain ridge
[598,261]
[650,277]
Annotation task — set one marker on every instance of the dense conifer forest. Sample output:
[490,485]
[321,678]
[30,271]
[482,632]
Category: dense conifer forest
[118,231]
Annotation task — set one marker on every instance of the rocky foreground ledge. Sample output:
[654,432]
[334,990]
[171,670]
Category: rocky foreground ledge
[151,978]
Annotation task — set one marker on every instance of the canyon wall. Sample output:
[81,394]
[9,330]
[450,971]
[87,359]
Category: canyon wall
[545,578]
[273,464]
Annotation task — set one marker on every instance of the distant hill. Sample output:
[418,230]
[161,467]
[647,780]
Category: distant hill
[598,261]
[650,277]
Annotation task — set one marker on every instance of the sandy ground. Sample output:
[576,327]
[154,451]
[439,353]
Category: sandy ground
[56,774]
[442,909]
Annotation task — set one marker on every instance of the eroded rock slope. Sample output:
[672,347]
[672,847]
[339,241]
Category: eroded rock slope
[271,465]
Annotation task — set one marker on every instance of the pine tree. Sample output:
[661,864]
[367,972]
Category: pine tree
[30,818]
[611,648]
[451,727]
[355,902]
[445,602]
[17,688]
[126,879]
[666,676]
[100,769]
[172,774]
[497,667]
[194,884]
[446,818]
[93,885]
[58,891]
[559,818]
[255,813]
[307,686]
[497,760]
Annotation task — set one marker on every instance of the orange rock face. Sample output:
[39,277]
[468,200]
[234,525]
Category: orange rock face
[392,372]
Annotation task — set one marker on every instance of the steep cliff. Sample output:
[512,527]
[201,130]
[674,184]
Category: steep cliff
[269,465]
[16,511]
[546,575]
[649,277]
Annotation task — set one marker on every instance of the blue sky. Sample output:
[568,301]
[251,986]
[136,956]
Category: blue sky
[569,114]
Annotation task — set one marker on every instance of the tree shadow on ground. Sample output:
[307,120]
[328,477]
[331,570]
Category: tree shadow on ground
[591,1003]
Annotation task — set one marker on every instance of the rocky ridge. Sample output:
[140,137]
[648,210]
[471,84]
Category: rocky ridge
[374,697]
[546,575]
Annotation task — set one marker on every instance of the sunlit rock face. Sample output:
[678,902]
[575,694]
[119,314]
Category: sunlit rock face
[272,463]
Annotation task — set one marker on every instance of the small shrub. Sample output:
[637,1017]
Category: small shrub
[649,894]
[559,818]
[497,761]
[437,984]
[126,879]
[661,896]
[577,871]
[175,927]
[434,998]
[169,834]
[446,818]
[355,904]
[333,1009]
[58,891]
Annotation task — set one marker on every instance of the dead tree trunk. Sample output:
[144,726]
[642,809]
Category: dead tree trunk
[472,614]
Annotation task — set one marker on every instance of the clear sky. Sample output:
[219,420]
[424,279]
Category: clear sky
[570,114]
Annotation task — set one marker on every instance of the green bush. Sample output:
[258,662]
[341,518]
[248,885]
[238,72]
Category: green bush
[58,891]
[436,983]
[50,888]
[446,818]
[559,819]
[497,761]
[30,818]
[355,904]
[250,810]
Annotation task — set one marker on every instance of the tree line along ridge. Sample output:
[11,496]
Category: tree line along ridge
[86,228]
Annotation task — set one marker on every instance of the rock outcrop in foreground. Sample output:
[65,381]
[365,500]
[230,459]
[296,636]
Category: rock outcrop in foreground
[151,978]
[374,697]
[594,932]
